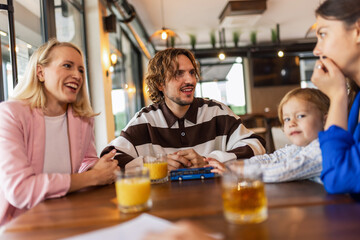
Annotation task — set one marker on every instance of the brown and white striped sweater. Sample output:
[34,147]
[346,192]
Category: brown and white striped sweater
[209,127]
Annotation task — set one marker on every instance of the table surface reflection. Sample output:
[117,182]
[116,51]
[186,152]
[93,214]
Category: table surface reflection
[297,210]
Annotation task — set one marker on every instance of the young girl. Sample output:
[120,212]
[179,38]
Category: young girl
[302,113]
[338,46]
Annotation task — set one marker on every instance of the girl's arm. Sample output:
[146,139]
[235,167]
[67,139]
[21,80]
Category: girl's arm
[218,166]
[290,163]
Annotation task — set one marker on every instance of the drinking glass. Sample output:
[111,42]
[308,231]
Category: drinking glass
[157,168]
[243,193]
[133,190]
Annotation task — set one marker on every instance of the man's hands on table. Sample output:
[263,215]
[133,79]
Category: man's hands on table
[188,158]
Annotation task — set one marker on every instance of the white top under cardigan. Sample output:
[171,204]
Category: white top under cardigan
[57,152]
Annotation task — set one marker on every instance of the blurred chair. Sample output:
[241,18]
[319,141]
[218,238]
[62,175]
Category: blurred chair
[279,138]
[260,125]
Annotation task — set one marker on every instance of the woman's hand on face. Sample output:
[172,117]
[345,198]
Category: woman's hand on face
[329,78]
[105,168]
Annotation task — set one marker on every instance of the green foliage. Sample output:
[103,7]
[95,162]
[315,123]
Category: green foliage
[238,110]
[253,37]
[273,35]
[192,40]
[120,122]
[213,39]
[236,38]
[172,41]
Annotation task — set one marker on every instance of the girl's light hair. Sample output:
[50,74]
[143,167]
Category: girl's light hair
[32,91]
[311,95]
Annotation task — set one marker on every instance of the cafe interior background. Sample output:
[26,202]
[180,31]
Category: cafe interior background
[250,52]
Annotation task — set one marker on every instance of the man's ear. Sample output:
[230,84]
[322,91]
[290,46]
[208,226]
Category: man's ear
[40,73]
[161,87]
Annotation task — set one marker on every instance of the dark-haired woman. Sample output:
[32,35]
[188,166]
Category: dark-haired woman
[338,46]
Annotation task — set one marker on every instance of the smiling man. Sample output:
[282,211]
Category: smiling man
[186,128]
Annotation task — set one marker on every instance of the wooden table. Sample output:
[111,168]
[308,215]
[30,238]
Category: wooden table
[297,210]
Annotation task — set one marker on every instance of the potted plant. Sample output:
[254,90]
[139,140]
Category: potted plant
[274,35]
[192,41]
[236,38]
[253,37]
[213,39]
[172,41]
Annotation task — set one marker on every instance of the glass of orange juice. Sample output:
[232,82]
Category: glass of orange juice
[157,168]
[243,193]
[133,190]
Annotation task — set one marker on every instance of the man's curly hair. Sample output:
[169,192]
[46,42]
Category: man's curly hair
[162,67]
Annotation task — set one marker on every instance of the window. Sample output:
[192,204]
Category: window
[119,85]
[223,81]
[306,70]
[125,75]
[27,23]
[69,20]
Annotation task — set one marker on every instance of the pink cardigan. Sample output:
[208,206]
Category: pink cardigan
[22,146]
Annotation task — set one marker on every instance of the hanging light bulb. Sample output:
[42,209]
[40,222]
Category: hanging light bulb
[113,58]
[164,35]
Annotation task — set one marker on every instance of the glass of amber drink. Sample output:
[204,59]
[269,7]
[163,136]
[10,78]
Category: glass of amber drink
[157,168]
[133,190]
[243,193]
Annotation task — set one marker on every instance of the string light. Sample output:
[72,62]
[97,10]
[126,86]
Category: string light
[222,56]
[280,54]
[113,58]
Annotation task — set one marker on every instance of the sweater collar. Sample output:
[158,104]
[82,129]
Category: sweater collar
[191,114]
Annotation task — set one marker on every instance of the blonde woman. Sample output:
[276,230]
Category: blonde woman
[46,133]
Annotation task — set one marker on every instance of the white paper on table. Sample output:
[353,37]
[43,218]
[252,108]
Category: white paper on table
[135,229]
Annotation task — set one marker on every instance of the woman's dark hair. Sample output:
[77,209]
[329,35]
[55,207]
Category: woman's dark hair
[347,11]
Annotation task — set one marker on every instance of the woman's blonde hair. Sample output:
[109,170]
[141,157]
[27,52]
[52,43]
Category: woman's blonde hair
[311,95]
[31,90]
[164,66]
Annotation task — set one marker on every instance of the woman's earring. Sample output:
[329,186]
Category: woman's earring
[41,79]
